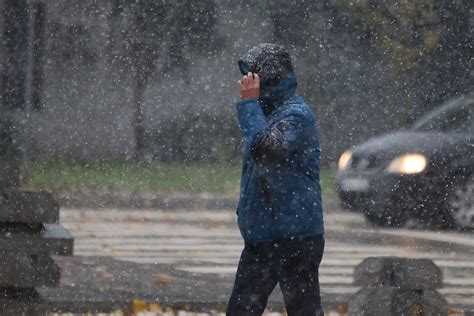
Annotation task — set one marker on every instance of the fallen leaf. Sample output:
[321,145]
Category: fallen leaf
[160,281]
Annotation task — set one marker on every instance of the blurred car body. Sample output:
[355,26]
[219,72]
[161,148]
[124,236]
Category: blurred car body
[425,172]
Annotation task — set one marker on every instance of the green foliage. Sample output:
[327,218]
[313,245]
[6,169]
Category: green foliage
[404,30]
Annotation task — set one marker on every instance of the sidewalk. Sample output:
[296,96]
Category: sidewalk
[165,252]
[102,284]
[187,259]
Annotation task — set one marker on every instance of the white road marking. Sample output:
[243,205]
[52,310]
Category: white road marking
[454,238]
[209,242]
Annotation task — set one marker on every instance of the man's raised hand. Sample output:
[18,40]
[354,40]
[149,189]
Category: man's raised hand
[249,86]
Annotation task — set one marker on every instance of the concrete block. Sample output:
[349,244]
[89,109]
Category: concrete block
[20,270]
[36,239]
[16,270]
[19,301]
[378,301]
[405,273]
[10,293]
[48,272]
[28,207]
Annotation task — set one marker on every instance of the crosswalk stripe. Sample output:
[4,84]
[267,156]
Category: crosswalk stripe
[231,269]
[228,247]
[130,215]
[347,273]
[200,241]
[330,257]
[178,255]
[451,238]
[457,291]
[209,243]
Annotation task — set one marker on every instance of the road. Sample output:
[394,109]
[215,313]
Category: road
[208,242]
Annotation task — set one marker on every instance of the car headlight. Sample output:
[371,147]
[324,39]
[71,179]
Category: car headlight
[344,160]
[408,164]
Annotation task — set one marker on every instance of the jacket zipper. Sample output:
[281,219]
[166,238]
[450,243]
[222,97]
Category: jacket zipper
[267,196]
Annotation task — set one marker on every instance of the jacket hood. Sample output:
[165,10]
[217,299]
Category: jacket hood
[277,79]
[270,61]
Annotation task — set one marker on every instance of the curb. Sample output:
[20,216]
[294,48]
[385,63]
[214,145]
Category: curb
[172,201]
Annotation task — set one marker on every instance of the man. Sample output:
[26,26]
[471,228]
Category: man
[280,210]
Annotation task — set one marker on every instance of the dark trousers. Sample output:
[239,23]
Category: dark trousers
[294,263]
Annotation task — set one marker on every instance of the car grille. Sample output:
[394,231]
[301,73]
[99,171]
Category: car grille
[365,164]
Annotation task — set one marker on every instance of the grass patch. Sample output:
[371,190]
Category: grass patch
[327,183]
[154,177]
[134,177]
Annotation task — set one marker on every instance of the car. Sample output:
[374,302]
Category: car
[423,173]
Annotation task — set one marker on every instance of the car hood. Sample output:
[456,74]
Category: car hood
[432,144]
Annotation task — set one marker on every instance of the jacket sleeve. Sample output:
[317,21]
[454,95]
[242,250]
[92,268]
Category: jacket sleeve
[270,143]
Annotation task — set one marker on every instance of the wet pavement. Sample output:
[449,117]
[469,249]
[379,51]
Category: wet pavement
[160,253]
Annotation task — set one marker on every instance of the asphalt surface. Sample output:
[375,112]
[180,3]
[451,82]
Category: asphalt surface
[201,248]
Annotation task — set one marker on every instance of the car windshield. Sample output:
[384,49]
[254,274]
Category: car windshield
[454,116]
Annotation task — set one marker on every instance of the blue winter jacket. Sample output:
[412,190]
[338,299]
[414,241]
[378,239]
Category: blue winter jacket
[280,193]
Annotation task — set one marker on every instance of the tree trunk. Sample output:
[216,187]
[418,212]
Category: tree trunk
[138,121]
